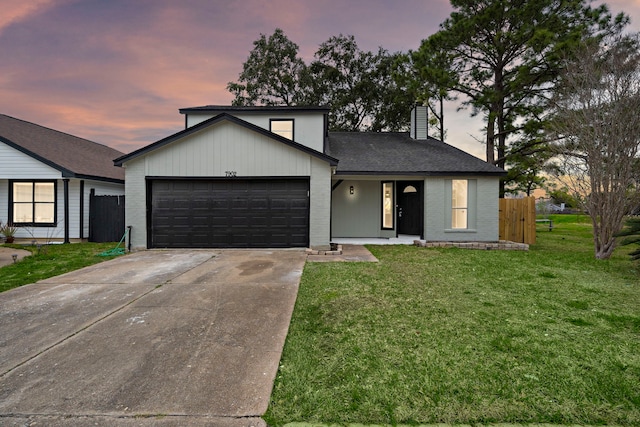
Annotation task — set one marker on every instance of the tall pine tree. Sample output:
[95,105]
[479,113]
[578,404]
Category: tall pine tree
[504,57]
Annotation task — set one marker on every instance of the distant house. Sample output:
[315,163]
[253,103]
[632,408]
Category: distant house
[275,177]
[46,178]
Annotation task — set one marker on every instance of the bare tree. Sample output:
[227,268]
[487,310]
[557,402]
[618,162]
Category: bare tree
[598,131]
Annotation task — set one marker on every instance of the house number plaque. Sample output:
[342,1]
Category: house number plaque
[230,174]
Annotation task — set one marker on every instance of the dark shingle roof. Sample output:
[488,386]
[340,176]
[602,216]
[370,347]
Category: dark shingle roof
[73,156]
[390,153]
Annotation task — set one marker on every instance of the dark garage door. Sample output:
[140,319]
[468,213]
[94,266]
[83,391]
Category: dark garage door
[234,213]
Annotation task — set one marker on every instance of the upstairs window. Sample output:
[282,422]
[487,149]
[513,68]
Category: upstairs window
[33,203]
[282,127]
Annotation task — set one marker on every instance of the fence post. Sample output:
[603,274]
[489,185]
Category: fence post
[530,221]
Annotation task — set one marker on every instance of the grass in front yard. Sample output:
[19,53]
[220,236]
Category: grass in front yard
[50,261]
[461,336]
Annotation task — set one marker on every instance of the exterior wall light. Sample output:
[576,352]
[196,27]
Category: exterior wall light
[351,190]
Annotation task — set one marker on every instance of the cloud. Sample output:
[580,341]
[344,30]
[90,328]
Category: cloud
[117,71]
[16,11]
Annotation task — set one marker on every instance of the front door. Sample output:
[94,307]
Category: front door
[410,207]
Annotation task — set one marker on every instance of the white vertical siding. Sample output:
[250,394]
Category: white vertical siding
[194,119]
[308,127]
[227,147]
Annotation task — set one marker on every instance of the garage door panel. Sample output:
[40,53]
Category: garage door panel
[220,204]
[261,203]
[230,213]
[259,222]
[299,204]
[298,221]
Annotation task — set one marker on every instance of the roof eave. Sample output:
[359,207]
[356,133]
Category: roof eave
[99,178]
[64,171]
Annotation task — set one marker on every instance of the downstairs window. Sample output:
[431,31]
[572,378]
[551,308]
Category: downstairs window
[459,203]
[33,203]
[387,205]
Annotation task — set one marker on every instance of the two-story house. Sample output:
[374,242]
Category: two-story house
[275,177]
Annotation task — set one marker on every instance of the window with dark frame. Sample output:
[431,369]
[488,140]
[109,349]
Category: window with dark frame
[33,203]
[387,205]
[282,127]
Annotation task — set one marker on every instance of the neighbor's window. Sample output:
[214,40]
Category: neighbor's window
[387,205]
[33,203]
[283,127]
[459,203]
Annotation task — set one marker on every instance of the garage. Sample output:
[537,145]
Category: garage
[226,182]
[228,213]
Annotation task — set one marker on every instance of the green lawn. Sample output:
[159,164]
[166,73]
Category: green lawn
[49,261]
[461,336]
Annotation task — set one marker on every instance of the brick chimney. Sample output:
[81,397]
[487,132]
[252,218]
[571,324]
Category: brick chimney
[419,123]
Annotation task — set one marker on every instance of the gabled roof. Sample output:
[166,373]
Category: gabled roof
[217,119]
[255,108]
[396,153]
[74,157]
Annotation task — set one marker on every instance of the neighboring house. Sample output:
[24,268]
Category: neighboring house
[275,177]
[46,178]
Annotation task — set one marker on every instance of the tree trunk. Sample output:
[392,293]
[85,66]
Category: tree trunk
[605,227]
[490,140]
[604,250]
[502,135]
[441,118]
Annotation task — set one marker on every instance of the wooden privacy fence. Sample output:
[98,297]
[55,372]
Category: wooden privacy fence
[518,220]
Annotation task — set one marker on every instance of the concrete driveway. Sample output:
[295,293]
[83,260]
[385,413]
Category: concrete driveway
[155,338]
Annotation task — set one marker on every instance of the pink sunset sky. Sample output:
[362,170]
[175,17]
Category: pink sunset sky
[117,71]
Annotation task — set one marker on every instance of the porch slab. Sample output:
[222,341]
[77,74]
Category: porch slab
[402,239]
